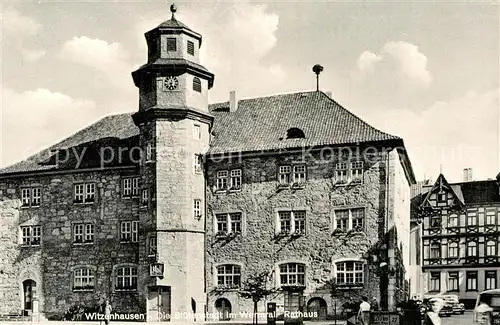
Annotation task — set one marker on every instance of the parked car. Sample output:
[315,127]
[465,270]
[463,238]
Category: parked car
[487,310]
[458,308]
[446,311]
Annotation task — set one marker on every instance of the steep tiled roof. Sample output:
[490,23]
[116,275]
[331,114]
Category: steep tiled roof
[258,124]
[262,123]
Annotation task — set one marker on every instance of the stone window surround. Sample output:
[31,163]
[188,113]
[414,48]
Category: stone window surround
[350,259]
[190,47]
[431,289]
[197,131]
[349,168]
[277,278]
[349,208]
[144,198]
[229,185]
[277,223]
[228,212]
[132,222]
[229,262]
[137,186]
[84,223]
[493,279]
[197,163]
[31,188]
[115,274]
[85,183]
[197,85]
[80,266]
[30,226]
[291,173]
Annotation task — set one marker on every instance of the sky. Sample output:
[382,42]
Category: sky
[425,71]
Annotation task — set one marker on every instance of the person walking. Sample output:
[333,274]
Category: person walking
[432,316]
[364,311]
[374,304]
[107,312]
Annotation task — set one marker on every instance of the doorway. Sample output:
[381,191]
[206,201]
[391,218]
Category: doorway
[317,306]
[223,307]
[159,304]
[29,291]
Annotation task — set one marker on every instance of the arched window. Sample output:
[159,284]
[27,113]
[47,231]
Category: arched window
[228,276]
[295,133]
[293,274]
[491,248]
[197,84]
[453,250]
[472,249]
[350,272]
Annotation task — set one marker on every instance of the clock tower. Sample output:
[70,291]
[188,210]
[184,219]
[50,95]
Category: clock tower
[174,124]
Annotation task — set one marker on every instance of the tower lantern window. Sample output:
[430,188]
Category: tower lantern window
[171,44]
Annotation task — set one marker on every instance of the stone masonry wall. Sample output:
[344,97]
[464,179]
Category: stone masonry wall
[51,263]
[256,250]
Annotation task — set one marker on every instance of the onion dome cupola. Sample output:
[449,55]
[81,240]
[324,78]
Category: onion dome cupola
[173,78]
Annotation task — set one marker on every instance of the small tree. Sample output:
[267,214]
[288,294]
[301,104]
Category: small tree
[255,289]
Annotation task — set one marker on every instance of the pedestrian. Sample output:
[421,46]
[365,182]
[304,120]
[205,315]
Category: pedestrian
[364,311]
[374,304]
[107,312]
[432,316]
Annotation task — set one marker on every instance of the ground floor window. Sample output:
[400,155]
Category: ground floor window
[471,278]
[491,280]
[126,278]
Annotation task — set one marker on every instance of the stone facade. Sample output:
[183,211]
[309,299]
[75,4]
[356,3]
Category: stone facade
[257,249]
[51,264]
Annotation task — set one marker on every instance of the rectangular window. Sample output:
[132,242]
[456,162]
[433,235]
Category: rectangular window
[36,196]
[25,197]
[31,196]
[435,221]
[235,179]
[130,187]
[471,279]
[351,219]
[190,48]
[152,246]
[144,197]
[299,174]
[285,221]
[284,174]
[453,281]
[198,164]
[491,280]
[491,248]
[471,220]
[292,222]
[84,193]
[490,219]
[196,131]
[197,208]
[453,221]
[129,231]
[341,173]
[222,177]
[292,274]
[350,272]
[126,278]
[435,283]
[227,223]
[83,233]
[228,276]
[83,279]
[31,235]
[357,172]
[171,44]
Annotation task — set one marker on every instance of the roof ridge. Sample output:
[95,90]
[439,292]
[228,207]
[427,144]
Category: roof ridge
[267,96]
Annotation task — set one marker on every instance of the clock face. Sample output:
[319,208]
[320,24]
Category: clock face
[171,83]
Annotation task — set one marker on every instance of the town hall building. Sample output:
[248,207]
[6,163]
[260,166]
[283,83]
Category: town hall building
[170,209]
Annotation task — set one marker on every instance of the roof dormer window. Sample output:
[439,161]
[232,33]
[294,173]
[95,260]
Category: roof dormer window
[295,133]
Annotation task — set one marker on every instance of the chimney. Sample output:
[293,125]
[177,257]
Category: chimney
[233,102]
[467,174]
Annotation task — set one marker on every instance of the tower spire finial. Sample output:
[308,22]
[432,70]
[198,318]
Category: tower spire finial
[173,10]
[317,70]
